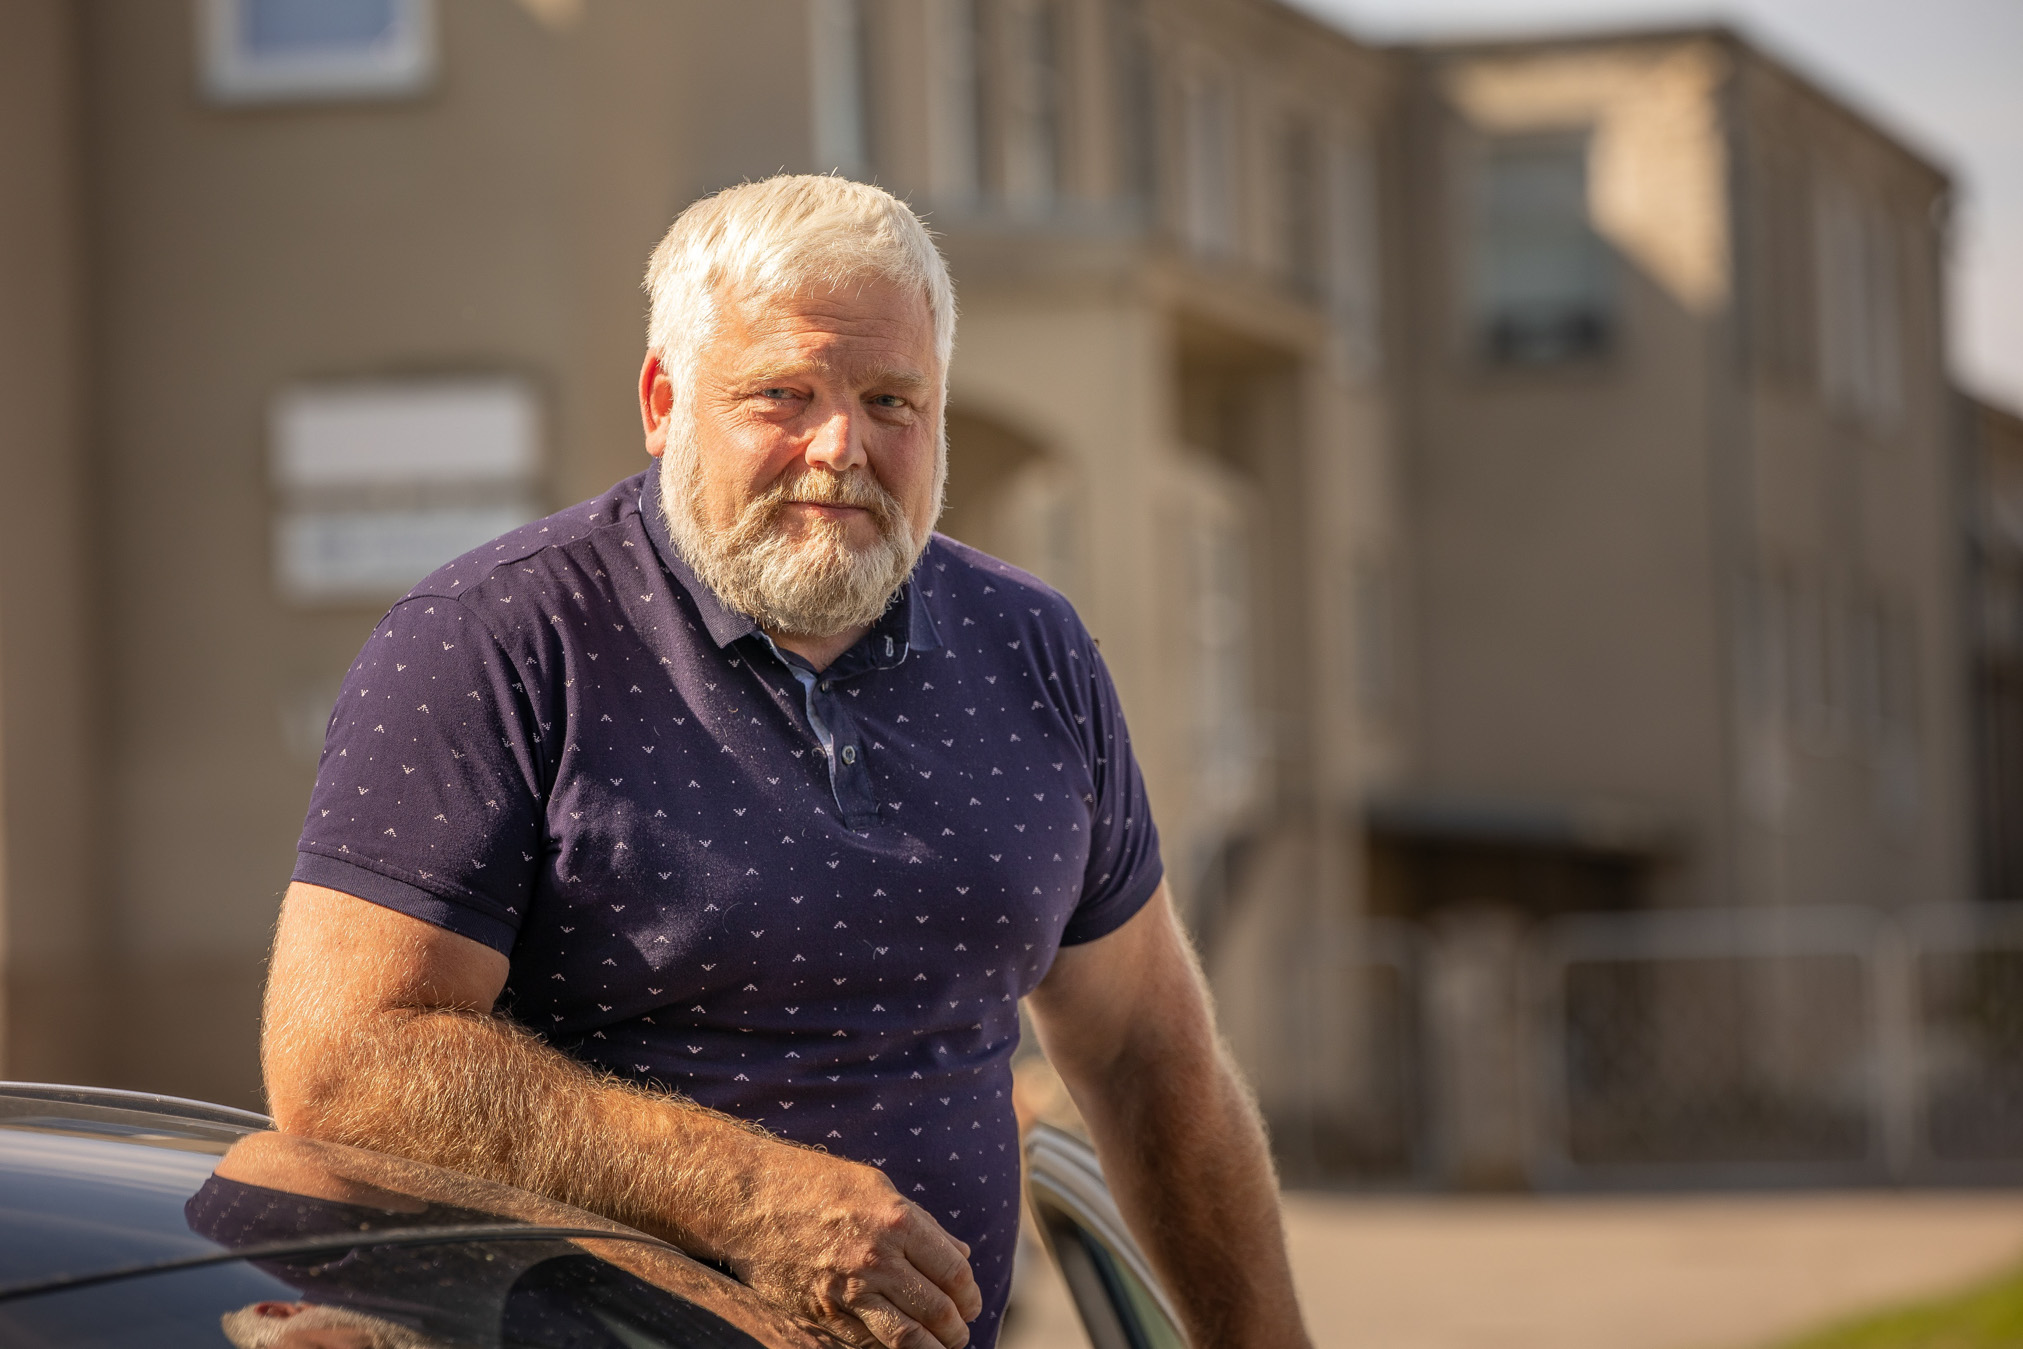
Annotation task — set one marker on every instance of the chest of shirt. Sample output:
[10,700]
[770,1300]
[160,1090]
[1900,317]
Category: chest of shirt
[697,858]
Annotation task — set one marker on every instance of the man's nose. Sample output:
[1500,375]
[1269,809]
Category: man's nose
[837,444]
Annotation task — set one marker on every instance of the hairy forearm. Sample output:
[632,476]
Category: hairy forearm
[1185,1155]
[477,1094]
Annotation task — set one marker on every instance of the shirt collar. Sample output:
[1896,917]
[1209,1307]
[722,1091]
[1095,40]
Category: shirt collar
[906,625]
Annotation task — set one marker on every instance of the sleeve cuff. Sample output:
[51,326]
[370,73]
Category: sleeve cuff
[362,881]
[1112,913]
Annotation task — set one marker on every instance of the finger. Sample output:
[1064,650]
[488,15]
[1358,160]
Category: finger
[914,1295]
[848,1329]
[944,1260]
[896,1330]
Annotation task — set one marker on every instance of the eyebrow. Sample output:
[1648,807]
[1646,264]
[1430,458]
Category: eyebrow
[888,376]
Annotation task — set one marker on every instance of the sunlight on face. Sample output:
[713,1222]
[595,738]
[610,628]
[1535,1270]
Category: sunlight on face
[805,477]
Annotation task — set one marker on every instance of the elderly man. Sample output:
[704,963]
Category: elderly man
[686,855]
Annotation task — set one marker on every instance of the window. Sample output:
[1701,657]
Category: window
[1211,168]
[266,51]
[1300,198]
[840,92]
[1036,87]
[1541,274]
[1352,253]
[1137,110]
[1786,290]
[955,130]
[1860,339]
[1374,643]
[1209,525]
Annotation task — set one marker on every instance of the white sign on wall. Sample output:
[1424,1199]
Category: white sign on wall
[382,482]
[446,432]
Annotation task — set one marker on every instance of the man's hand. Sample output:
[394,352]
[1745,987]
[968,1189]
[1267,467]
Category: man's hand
[379,1032]
[833,1243]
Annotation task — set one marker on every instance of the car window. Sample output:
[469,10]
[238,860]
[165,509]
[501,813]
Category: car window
[451,1295]
[1116,1307]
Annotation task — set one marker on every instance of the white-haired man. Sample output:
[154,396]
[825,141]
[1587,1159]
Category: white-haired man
[686,855]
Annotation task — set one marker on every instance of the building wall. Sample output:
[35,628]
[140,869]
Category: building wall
[1570,642]
[1852,718]
[53,834]
[1702,570]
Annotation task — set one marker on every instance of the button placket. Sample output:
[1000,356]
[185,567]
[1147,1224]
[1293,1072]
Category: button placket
[849,774]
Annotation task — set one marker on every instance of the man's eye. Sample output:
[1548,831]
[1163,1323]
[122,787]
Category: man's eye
[889,400]
[776,393]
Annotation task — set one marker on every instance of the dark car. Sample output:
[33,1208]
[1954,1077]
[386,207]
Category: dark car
[128,1219]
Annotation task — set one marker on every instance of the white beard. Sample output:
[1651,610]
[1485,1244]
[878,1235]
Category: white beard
[815,585]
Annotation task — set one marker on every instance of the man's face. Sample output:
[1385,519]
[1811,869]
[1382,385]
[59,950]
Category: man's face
[807,476]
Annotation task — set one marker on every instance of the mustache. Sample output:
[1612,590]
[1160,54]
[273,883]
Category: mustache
[820,487]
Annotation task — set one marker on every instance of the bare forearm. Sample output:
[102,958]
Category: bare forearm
[1185,1155]
[476,1094]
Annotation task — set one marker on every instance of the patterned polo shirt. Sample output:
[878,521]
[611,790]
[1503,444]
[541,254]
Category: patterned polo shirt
[812,900]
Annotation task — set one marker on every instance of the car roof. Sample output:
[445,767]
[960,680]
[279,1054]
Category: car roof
[96,1181]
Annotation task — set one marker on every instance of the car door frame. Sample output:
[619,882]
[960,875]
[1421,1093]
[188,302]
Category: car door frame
[1064,1184]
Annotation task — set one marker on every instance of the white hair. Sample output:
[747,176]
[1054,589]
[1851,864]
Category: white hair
[782,234]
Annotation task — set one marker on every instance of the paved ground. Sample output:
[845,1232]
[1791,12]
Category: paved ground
[1701,1272]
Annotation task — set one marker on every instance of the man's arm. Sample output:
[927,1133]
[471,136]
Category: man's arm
[379,1031]
[1125,1020]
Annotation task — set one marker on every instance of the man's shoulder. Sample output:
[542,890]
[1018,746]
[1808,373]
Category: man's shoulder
[551,548]
[969,583]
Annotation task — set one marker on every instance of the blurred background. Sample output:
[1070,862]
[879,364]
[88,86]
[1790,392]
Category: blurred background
[1546,478]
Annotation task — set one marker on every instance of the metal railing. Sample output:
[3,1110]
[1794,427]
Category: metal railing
[1800,1046]
[1790,1046]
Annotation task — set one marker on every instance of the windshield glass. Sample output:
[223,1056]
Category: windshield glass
[124,1227]
[480,1295]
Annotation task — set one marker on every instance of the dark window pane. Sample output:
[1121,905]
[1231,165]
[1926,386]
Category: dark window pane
[499,1295]
[1541,274]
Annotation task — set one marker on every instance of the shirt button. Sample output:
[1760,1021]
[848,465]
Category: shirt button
[825,686]
[849,754]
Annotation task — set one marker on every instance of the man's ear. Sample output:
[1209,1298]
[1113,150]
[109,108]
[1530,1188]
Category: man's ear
[656,400]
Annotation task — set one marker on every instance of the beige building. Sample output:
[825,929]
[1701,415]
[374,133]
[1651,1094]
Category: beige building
[1502,479]
[1682,505]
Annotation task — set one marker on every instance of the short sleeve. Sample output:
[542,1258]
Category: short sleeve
[428,795]
[1124,865]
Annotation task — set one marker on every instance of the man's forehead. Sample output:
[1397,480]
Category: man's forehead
[831,332]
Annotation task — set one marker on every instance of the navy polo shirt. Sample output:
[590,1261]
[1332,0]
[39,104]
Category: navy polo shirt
[810,900]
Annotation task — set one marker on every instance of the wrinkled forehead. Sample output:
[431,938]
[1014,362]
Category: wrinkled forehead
[864,321]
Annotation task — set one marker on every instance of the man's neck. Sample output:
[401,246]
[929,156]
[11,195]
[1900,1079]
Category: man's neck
[820,652]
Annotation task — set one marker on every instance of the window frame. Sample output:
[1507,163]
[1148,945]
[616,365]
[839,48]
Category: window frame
[404,66]
[1483,309]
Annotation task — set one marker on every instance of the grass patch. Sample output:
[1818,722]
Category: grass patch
[1988,1316]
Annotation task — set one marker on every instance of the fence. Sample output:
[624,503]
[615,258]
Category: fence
[1769,1047]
